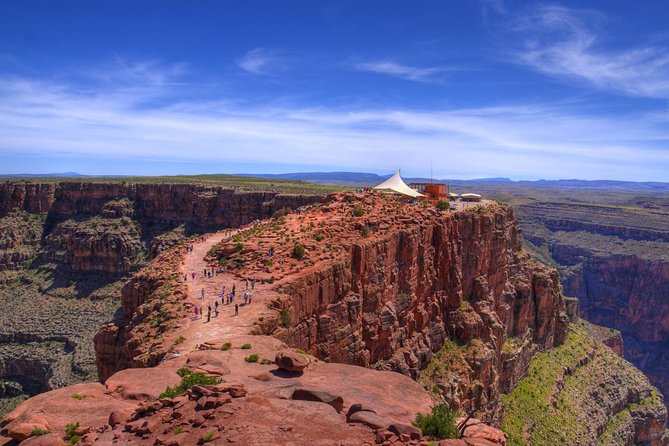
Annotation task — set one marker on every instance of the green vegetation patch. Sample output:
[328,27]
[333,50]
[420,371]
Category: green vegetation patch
[439,424]
[188,380]
[575,381]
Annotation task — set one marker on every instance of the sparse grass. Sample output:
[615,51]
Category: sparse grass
[178,430]
[179,340]
[227,346]
[209,436]
[358,211]
[184,371]
[78,396]
[246,347]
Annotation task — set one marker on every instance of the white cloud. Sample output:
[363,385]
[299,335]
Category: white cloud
[50,119]
[407,72]
[259,61]
[571,44]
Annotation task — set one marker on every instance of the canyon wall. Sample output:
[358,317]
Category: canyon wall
[616,262]
[66,250]
[396,299]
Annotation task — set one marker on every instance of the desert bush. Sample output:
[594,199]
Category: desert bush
[285,318]
[252,358]
[358,211]
[364,230]
[298,251]
[38,432]
[187,382]
[227,346]
[246,347]
[442,205]
[439,424]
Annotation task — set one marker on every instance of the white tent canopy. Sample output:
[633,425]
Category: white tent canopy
[396,184]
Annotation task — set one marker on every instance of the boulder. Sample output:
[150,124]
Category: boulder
[368,418]
[210,362]
[141,384]
[400,429]
[291,361]
[321,397]
[22,427]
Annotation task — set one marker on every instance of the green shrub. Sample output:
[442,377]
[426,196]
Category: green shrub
[439,424]
[442,205]
[284,317]
[187,382]
[178,430]
[78,396]
[179,340]
[252,358]
[271,280]
[37,432]
[184,371]
[298,251]
[319,237]
[239,246]
[70,429]
[350,198]
[364,231]
[246,347]
[74,439]
[209,436]
[358,211]
[227,346]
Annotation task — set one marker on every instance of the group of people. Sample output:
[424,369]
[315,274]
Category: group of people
[226,299]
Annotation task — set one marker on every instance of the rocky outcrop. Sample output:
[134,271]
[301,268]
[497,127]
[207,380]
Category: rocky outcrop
[97,244]
[394,301]
[151,301]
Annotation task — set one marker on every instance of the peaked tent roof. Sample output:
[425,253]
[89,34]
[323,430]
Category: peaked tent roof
[396,184]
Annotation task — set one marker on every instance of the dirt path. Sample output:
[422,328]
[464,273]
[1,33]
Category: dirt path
[197,331]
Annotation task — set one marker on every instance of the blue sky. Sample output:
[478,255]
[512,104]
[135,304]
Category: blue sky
[483,88]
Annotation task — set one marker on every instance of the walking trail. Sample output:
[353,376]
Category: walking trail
[197,331]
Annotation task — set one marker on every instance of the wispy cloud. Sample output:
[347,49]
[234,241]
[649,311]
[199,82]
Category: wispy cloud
[260,61]
[40,117]
[390,68]
[571,44]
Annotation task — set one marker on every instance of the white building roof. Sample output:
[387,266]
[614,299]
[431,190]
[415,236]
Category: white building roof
[396,184]
[470,196]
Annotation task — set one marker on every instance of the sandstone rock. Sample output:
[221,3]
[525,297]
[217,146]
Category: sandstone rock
[368,418]
[319,396]
[291,361]
[210,362]
[141,384]
[405,429]
[22,427]
[45,440]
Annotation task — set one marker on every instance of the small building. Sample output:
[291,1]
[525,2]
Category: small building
[433,191]
[453,196]
[470,197]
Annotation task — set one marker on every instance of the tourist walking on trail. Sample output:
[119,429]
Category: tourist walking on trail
[236,309]
[185,277]
[253,282]
[209,314]
[193,274]
[202,293]
[216,308]
[195,311]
